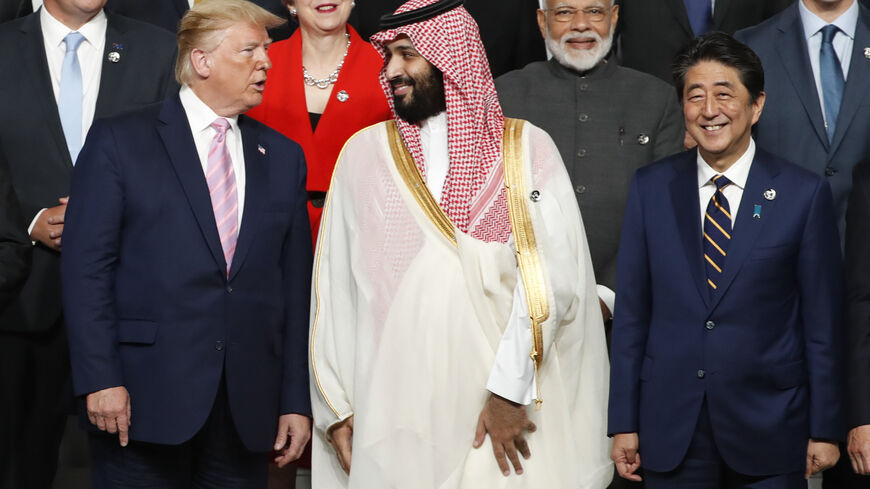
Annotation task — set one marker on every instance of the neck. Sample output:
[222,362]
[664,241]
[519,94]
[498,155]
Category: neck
[322,51]
[828,10]
[71,18]
[722,163]
[212,100]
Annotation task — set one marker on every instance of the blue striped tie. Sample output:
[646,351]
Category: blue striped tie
[831,72]
[69,101]
[717,233]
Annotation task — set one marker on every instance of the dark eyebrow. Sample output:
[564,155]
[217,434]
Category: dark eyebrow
[406,49]
[723,83]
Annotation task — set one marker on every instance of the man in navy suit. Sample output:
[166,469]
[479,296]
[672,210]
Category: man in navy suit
[818,89]
[186,273]
[726,339]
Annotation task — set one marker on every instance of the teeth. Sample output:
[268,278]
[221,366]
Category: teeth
[713,128]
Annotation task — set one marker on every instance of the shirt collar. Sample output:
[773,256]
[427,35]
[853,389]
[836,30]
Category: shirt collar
[737,173]
[437,124]
[54,31]
[199,115]
[847,22]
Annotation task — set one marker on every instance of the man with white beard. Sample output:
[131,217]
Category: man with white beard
[606,120]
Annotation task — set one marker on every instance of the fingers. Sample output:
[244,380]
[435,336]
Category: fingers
[281,436]
[480,434]
[123,429]
[811,461]
[511,451]
[523,447]
[501,458]
[64,200]
[297,444]
[342,443]
[344,457]
[531,427]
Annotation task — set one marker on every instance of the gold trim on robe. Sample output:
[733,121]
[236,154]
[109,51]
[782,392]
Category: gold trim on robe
[414,180]
[528,260]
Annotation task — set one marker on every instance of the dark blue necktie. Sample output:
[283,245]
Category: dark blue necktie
[717,233]
[831,73]
[700,14]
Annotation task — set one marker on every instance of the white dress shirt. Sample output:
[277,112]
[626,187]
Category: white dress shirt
[90,54]
[737,173]
[513,374]
[843,41]
[200,116]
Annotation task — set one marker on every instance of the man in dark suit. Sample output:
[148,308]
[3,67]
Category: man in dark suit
[507,28]
[727,343]
[167,13]
[819,115]
[606,120]
[186,273]
[49,98]
[652,32]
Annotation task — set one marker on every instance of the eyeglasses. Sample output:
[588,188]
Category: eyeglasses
[567,14]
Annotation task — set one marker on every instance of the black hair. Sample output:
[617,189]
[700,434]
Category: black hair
[721,48]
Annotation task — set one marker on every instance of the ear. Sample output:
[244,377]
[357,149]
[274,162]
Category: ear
[758,107]
[201,63]
[542,23]
[614,16]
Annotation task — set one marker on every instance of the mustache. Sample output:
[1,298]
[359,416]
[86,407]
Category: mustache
[401,80]
[592,36]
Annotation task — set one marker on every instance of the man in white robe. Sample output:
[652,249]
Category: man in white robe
[456,326]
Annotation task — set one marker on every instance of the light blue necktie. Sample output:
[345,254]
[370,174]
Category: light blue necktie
[69,103]
[831,73]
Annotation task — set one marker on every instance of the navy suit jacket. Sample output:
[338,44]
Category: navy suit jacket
[792,125]
[765,350]
[147,299]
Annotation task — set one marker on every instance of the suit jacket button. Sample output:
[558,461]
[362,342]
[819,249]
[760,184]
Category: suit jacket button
[830,171]
[230,289]
[583,117]
[218,345]
[710,325]
[701,374]
[581,152]
[580,189]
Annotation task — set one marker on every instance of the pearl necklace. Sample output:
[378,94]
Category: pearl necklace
[332,78]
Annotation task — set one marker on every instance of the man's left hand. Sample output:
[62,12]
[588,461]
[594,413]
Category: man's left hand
[294,431]
[506,422]
[821,455]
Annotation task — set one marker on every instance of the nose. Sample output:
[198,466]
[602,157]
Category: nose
[393,67]
[579,22]
[711,107]
[264,63]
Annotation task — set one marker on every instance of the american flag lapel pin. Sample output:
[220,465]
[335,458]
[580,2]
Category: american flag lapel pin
[261,149]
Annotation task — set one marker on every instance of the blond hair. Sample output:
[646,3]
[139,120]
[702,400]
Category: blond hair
[203,25]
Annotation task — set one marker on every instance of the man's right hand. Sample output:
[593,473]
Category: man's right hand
[625,455]
[859,449]
[341,437]
[109,410]
[48,227]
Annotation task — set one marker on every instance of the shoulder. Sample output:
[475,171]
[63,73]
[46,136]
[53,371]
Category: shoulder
[649,84]
[789,173]
[756,34]
[367,136]
[274,138]
[157,37]
[132,120]
[13,29]
[664,169]
[523,75]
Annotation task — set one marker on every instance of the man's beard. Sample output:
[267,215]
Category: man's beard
[426,97]
[579,60]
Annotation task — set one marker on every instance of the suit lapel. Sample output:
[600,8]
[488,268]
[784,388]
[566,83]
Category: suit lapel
[111,76]
[684,197]
[36,75]
[747,228]
[858,82]
[792,48]
[255,190]
[178,140]
[678,9]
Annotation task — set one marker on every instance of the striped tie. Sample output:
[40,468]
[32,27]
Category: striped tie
[717,233]
[222,188]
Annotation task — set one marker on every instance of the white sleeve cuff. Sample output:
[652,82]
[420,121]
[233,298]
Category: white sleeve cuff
[607,296]
[513,372]
[33,223]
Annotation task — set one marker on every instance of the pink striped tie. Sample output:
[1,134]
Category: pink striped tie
[222,188]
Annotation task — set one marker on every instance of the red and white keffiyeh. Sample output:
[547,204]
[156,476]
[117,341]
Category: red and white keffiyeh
[474,196]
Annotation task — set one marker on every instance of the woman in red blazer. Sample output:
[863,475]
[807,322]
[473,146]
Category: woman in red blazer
[323,87]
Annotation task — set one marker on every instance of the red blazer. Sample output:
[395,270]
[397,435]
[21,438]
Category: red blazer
[284,108]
